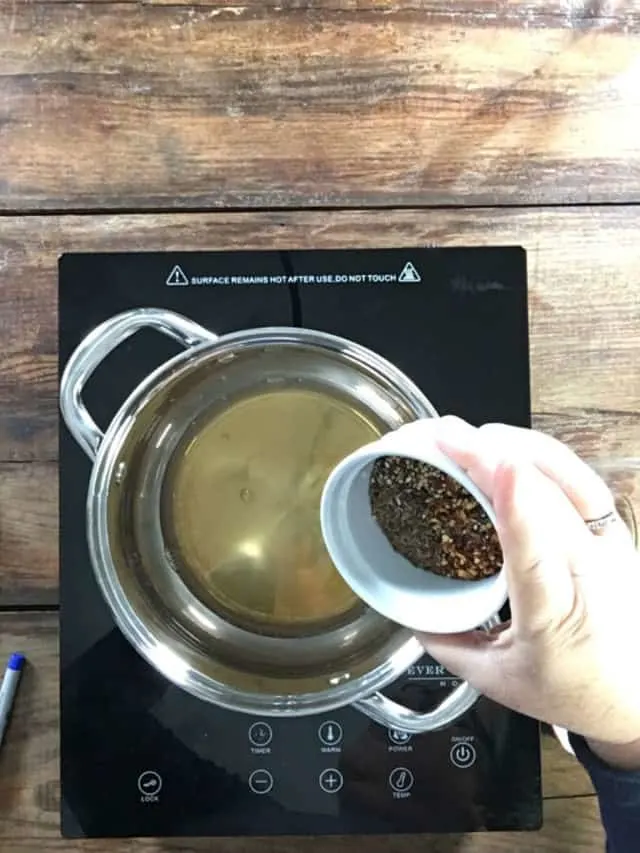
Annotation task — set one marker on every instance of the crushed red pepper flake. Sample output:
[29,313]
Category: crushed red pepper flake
[433,521]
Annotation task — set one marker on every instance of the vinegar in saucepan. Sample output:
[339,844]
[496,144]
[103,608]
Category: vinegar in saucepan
[241,507]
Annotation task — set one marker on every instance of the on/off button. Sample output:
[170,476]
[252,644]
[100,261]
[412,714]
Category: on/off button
[463,755]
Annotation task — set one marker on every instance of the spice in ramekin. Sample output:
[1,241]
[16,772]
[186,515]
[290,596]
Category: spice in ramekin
[433,521]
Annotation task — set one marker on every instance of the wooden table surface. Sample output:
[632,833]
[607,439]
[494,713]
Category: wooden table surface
[296,124]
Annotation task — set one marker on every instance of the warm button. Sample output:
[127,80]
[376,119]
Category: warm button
[330,733]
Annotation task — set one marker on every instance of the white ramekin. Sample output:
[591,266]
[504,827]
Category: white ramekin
[384,580]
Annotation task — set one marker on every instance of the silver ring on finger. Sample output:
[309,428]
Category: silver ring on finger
[600,525]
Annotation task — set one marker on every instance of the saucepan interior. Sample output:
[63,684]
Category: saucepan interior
[204,520]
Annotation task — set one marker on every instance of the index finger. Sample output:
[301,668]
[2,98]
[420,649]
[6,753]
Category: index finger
[586,490]
[538,530]
[536,522]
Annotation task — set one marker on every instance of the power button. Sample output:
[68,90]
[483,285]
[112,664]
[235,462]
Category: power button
[463,755]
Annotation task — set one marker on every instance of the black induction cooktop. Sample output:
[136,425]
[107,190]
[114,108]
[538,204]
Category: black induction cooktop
[139,756]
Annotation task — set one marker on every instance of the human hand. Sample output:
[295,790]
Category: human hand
[569,655]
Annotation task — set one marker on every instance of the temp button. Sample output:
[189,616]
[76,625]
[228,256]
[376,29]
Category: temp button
[401,780]
[261,781]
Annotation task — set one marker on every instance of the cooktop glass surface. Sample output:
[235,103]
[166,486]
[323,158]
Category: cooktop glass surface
[140,757]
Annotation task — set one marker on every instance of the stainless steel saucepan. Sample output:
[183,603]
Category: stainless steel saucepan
[211,610]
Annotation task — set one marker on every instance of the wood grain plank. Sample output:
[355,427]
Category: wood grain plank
[575,13]
[562,776]
[571,826]
[149,106]
[29,787]
[28,534]
[584,303]
[28,407]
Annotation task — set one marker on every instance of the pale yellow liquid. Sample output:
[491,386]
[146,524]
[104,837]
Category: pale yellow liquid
[245,502]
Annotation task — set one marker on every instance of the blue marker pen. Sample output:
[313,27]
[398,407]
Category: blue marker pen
[8,689]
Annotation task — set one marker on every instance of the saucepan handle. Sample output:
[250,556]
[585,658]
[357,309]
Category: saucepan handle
[388,713]
[96,347]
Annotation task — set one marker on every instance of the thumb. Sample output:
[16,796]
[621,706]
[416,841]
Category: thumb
[536,524]
[470,655]
[489,662]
